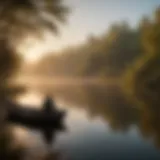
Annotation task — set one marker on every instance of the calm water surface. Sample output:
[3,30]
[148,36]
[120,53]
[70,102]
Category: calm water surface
[101,124]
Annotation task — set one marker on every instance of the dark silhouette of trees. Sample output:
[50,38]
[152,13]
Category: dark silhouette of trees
[19,19]
[29,16]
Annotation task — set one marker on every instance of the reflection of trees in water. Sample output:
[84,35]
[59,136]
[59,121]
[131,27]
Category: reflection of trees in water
[150,122]
[99,100]
[111,104]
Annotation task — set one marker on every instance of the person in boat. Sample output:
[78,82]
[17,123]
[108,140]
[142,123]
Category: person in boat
[49,105]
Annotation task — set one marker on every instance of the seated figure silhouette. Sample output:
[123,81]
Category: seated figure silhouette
[49,105]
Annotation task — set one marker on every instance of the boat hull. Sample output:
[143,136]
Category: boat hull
[36,118]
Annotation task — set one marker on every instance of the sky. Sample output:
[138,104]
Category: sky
[91,17]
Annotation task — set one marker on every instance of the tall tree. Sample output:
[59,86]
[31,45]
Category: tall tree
[20,18]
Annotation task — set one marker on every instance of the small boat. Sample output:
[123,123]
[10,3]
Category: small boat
[37,118]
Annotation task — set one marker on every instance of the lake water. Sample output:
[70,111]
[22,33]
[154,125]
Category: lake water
[101,124]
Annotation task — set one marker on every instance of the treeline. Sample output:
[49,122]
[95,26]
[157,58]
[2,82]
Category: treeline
[109,54]
[142,79]
[15,29]
[112,105]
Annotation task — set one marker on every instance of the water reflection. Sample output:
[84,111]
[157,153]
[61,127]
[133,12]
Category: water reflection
[109,103]
[113,106]
[102,124]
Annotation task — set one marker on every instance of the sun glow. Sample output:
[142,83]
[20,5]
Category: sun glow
[33,49]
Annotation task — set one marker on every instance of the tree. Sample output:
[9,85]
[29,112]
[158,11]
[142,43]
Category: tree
[144,77]
[20,18]
[33,16]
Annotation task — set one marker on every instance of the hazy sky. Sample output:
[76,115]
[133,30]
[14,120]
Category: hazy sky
[94,16]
